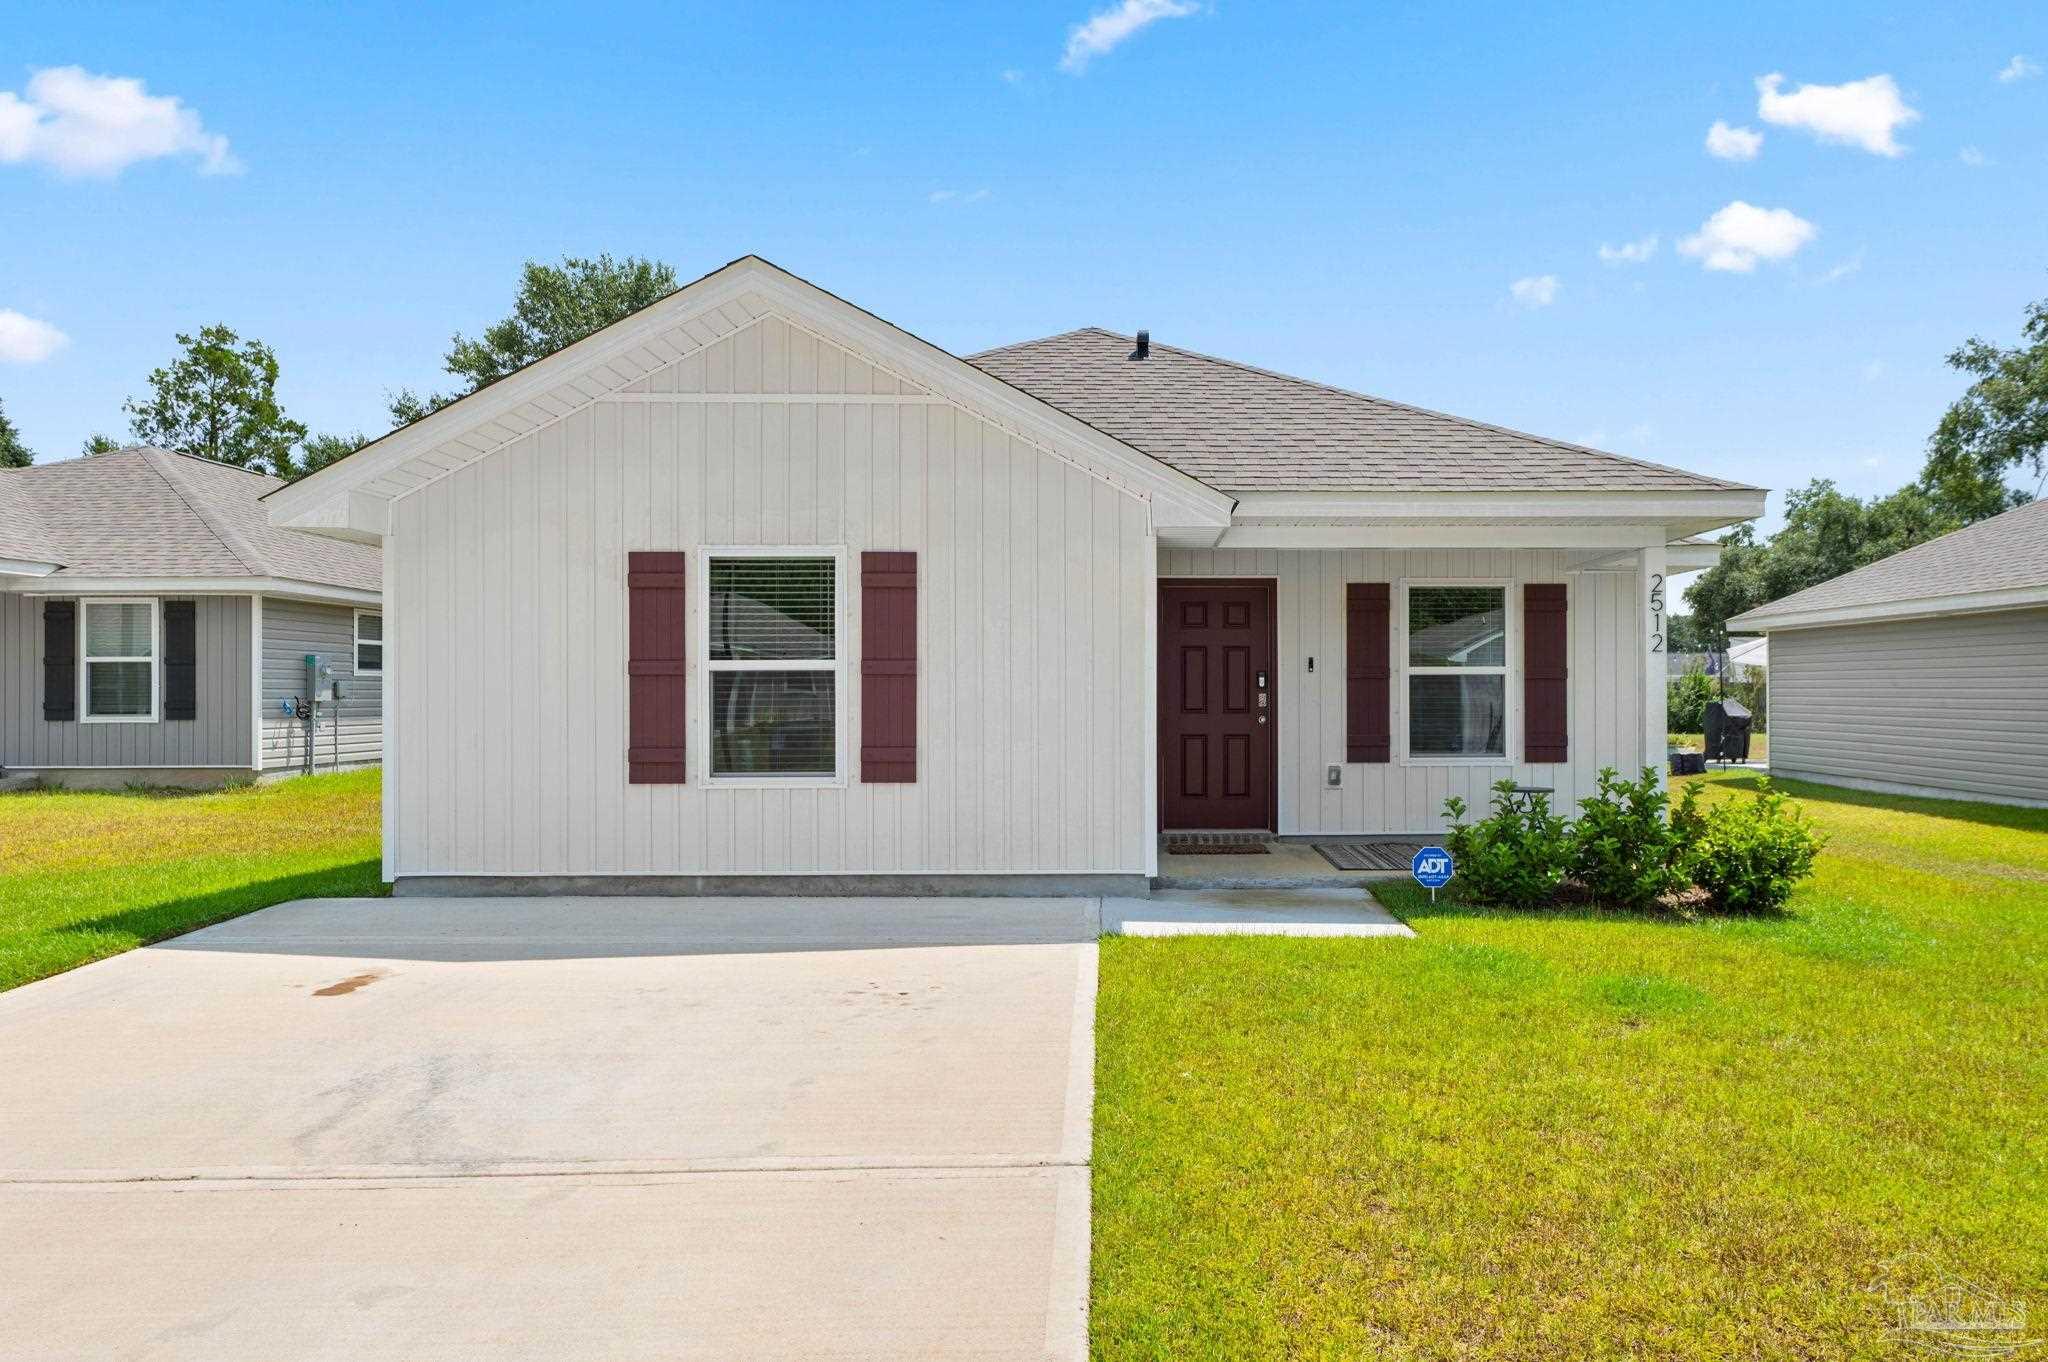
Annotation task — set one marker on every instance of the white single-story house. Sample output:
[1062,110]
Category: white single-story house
[754,590]
[1923,673]
[154,627]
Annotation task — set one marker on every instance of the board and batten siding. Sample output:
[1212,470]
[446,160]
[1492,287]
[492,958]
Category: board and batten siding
[506,607]
[218,735]
[291,629]
[1955,705]
[1604,684]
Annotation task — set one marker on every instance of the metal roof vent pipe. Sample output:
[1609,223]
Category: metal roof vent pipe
[1144,350]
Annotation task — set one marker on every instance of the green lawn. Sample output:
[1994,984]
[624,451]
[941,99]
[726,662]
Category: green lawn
[1580,1135]
[89,875]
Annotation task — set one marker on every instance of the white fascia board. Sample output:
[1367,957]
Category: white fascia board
[23,567]
[1495,535]
[1678,557]
[1735,504]
[206,586]
[315,502]
[1925,607]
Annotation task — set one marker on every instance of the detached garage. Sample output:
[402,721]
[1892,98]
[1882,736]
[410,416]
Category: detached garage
[1926,673]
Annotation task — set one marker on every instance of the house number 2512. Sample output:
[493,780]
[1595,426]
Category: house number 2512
[1656,612]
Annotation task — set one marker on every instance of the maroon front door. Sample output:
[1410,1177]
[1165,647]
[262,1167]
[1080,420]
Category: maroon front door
[1216,716]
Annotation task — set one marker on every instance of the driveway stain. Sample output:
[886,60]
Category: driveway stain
[350,984]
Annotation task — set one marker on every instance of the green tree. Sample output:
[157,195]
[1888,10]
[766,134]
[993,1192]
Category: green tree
[1827,533]
[98,444]
[1998,427]
[218,400]
[317,451]
[13,453]
[557,305]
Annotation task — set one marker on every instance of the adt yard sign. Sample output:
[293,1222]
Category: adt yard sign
[1432,869]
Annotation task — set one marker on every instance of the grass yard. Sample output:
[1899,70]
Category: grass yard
[86,875]
[1581,1136]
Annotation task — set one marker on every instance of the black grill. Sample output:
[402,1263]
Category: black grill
[1727,734]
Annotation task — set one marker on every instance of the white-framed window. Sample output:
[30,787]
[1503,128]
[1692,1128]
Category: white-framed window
[119,651]
[369,643]
[1457,646]
[772,710]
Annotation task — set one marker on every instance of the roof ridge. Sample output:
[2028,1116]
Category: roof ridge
[1440,415]
[230,538]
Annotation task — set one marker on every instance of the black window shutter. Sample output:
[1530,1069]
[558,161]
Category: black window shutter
[181,660]
[60,660]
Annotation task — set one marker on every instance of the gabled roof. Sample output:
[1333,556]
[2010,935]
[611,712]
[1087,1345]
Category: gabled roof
[351,497]
[150,513]
[1244,429]
[2000,563]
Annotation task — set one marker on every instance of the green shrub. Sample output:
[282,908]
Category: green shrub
[1755,693]
[1625,850]
[1517,856]
[1749,855]
[1686,700]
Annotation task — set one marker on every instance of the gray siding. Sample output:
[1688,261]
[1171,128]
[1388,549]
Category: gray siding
[291,629]
[218,737]
[1957,705]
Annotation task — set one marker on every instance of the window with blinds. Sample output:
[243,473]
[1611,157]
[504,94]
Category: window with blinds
[772,623]
[1457,660]
[120,658]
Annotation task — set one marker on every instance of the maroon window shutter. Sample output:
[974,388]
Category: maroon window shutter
[656,655]
[1543,671]
[888,668]
[1368,674]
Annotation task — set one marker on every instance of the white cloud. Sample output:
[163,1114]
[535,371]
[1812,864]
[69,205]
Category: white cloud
[1973,158]
[82,124]
[961,195]
[1836,274]
[1741,234]
[1013,77]
[1863,113]
[1629,252]
[1108,28]
[1733,144]
[1538,290]
[24,340]
[1874,370]
[2019,68]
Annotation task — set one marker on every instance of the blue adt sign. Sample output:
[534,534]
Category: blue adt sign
[1431,867]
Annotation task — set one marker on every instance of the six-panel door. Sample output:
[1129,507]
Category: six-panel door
[1216,717]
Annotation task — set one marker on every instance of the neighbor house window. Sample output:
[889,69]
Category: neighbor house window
[1457,671]
[118,680]
[369,643]
[774,662]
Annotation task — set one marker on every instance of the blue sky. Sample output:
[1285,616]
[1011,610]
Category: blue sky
[1347,192]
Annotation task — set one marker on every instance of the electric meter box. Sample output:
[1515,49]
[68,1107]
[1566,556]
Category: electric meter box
[321,683]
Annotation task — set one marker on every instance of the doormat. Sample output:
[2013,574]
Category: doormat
[1369,855]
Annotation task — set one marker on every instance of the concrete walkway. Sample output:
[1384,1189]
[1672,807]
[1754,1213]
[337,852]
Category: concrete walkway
[1306,911]
[558,1129]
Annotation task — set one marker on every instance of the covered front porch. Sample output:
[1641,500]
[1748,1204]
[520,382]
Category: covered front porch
[1331,677]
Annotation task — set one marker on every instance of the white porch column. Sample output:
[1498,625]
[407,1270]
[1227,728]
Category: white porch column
[1652,587]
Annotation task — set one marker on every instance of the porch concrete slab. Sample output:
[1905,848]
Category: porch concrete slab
[1314,911]
[1284,865]
[558,1128]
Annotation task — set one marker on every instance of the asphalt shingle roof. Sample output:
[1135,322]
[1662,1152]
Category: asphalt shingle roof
[2005,553]
[145,512]
[1243,429]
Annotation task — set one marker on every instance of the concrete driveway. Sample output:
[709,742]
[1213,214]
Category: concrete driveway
[561,1128]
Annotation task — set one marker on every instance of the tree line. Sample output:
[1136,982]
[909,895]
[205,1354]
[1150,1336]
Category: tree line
[217,398]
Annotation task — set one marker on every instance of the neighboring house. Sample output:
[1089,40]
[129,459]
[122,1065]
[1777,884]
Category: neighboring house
[1922,673]
[1008,617]
[153,623]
